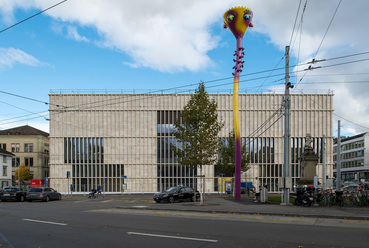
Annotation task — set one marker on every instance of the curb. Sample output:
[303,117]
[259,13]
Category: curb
[251,213]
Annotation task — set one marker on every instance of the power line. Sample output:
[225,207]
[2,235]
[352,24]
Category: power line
[293,30]
[12,26]
[247,80]
[332,82]
[28,98]
[327,28]
[314,58]
[336,114]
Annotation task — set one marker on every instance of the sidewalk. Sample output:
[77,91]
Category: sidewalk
[221,203]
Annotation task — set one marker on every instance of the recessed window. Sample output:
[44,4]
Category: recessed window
[15,147]
[15,162]
[28,161]
[28,147]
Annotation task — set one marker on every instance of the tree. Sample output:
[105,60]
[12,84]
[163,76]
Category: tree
[227,159]
[197,132]
[24,174]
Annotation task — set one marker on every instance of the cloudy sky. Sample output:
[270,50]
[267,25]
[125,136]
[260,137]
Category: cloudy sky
[143,46]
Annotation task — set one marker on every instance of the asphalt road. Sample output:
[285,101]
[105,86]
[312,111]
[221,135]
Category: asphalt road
[89,223]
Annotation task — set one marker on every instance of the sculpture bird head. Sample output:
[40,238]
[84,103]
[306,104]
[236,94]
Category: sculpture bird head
[238,19]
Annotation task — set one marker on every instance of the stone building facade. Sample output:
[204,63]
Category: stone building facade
[30,147]
[122,141]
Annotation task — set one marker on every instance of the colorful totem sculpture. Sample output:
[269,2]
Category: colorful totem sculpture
[237,19]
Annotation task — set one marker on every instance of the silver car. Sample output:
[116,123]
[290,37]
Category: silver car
[43,194]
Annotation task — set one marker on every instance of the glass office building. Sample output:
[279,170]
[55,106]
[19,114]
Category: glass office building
[354,160]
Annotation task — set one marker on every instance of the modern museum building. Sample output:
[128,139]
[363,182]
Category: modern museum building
[123,141]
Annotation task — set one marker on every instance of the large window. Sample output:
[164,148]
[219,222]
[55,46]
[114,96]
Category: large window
[28,161]
[46,148]
[83,150]
[3,146]
[86,156]
[169,172]
[262,154]
[28,147]
[5,171]
[15,162]
[15,147]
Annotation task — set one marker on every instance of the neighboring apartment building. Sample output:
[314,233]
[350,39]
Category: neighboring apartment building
[5,168]
[123,140]
[30,147]
[354,159]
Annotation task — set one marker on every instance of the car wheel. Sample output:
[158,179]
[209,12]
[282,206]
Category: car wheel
[157,201]
[47,198]
[3,200]
[171,199]
[21,198]
[29,200]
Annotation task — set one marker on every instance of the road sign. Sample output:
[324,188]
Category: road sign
[47,180]
[68,174]
[124,177]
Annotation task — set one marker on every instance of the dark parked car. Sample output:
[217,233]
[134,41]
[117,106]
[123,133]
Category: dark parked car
[177,194]
[13,193]
[43,194]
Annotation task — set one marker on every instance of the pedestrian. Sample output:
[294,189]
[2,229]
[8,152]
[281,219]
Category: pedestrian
[98,190]
[257,195]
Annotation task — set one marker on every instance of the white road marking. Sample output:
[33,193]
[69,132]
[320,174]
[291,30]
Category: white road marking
[171,237]
[46,222]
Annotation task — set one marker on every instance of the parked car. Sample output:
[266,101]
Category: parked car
[43,194]
[13,193]
[177,194]
[351,187]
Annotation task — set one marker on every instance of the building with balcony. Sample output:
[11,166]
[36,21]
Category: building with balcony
[122,141]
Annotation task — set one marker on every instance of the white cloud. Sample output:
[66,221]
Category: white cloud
[11,56]
[164,35]
[73,34]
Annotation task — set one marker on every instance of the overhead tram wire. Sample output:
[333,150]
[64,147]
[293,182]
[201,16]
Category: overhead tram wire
[227,78]
[125,101]
[186,90]
[189,85]
[330,23]
[367,128]
[64,107]
[300,28]
[206,82]
[314,58]
[294,25]
[31,99]
[12,26]
[275,68]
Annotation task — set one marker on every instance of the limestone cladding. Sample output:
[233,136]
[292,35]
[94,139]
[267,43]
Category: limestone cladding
[128,125]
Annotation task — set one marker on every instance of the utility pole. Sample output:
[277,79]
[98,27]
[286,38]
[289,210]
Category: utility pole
[324,166]
[338,174]
[287,138]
